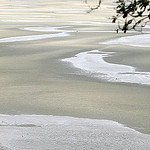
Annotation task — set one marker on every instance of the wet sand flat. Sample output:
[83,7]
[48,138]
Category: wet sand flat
[34,80]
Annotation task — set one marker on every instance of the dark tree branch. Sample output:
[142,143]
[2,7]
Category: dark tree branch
[93,8]
[133,13]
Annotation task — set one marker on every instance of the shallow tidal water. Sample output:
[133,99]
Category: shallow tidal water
[35,36]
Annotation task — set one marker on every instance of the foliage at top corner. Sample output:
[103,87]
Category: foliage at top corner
[130,14]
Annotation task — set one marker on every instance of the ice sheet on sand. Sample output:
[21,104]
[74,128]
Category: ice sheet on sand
[136,40]
[93,64]
[32,37]
[41,132]
[45,29]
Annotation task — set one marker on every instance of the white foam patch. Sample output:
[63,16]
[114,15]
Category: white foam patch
[93,64]
[32,37]
[41,132]
[136,40]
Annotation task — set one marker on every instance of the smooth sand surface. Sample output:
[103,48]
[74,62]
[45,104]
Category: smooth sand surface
[34,80]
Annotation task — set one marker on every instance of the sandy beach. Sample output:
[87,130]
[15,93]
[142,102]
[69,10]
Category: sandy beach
[55,62]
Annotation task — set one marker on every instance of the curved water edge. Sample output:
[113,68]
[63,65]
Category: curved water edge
[92,64]
[46,29]
[62,132]
[32,37]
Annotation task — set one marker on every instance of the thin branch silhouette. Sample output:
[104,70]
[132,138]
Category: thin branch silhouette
[134,14]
